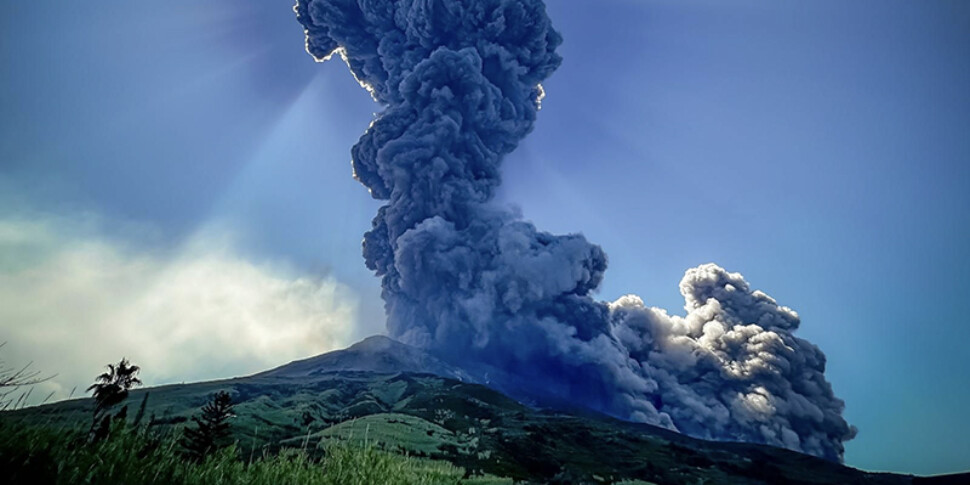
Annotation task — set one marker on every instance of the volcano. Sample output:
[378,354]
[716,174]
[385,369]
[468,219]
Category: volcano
[407,400]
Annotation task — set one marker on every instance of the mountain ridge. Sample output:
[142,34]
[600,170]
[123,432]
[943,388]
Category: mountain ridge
[377,353]
[391,390]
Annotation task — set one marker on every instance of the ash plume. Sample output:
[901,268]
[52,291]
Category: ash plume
[477,285]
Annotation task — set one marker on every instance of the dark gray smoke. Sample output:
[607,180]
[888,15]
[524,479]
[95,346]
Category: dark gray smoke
[474,283]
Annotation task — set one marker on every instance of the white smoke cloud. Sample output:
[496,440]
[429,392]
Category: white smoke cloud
[731,367]
[73,299]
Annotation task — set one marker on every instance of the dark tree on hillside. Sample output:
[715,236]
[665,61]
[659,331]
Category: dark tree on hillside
[211,431]
[111,388]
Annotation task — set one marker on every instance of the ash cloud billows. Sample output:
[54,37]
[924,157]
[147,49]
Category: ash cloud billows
[474,283]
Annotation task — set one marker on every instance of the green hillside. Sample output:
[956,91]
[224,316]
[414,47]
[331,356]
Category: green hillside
[469,425]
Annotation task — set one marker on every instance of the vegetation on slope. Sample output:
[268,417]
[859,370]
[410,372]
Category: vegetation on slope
[40,455]
[472,427]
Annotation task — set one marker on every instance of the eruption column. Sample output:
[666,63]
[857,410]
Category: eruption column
[472,282]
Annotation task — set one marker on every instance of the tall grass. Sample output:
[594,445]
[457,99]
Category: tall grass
[38,455]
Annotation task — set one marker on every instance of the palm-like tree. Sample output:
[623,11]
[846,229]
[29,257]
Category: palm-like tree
[112,387]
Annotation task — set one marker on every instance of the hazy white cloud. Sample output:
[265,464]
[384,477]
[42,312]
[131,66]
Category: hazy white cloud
[73,298]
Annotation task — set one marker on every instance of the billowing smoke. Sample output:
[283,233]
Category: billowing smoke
[474,283]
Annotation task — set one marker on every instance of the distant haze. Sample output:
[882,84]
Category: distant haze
[201,312]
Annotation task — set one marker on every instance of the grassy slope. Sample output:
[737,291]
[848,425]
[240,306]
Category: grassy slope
[39,456]
[469,425]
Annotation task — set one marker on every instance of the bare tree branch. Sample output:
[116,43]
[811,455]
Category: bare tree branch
[14,378]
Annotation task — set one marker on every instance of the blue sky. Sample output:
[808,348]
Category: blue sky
[821,149]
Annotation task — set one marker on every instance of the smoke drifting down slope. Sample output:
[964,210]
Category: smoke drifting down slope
[460,82]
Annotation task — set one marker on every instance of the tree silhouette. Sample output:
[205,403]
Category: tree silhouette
[211,431]
[111,388]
